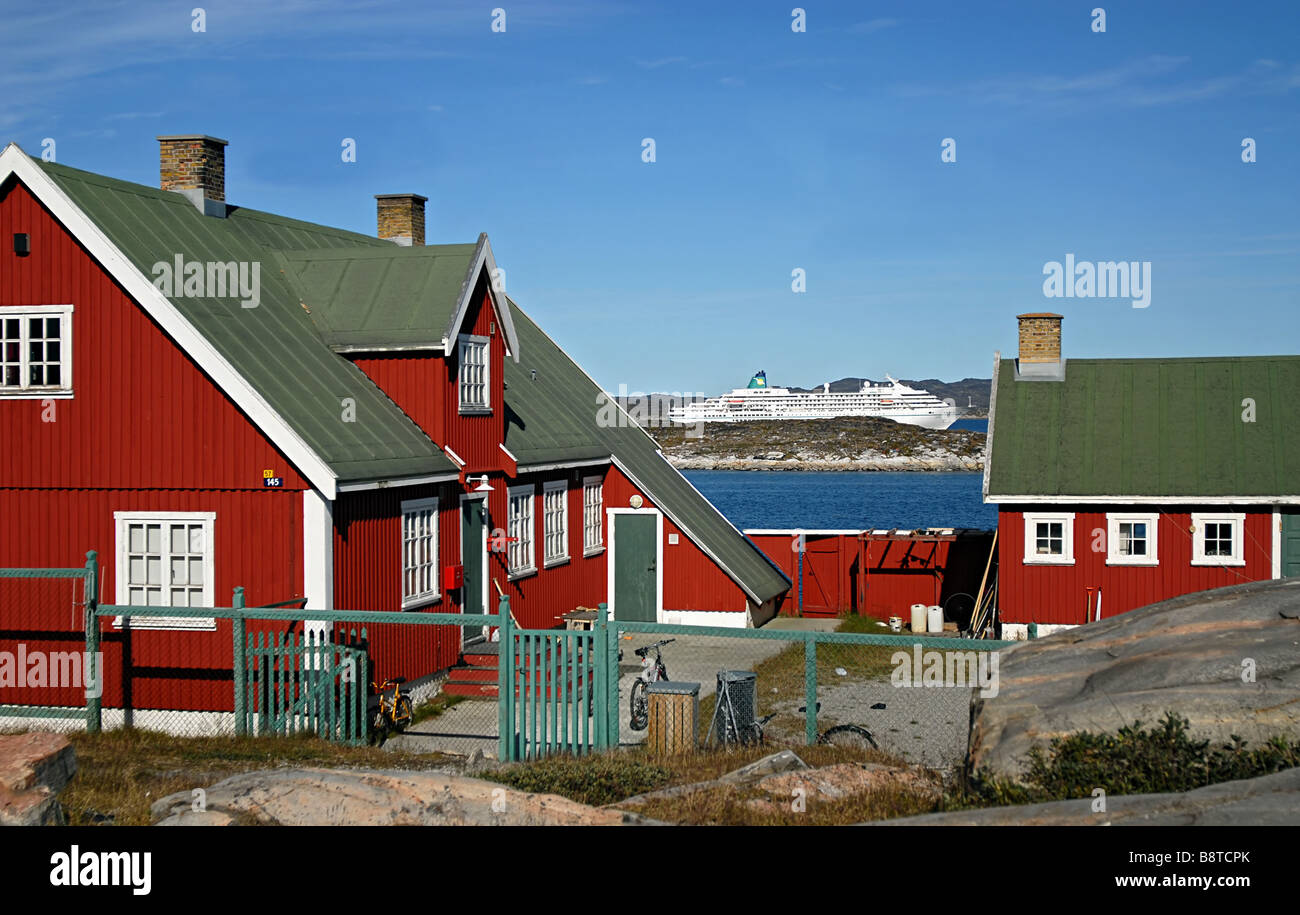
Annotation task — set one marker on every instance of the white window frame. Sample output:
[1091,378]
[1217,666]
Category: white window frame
[548,491]
[1114,557]
[1032,556]
[430,594]
[592,547]
[1238,522]
[24,390]
[122,522]
[525,545]
[464,341]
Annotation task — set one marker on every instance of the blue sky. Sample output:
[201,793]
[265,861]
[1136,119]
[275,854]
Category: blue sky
[775,150]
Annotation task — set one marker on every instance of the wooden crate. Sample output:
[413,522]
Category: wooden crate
[674,717]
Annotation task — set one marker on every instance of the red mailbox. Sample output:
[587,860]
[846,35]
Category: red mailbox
[453,577]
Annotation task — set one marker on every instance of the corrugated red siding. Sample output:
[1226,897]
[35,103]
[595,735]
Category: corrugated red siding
[143,415]
[1057,594]
[368,576]
[257,544]
[411,380]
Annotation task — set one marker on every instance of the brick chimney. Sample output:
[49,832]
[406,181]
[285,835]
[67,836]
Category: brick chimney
[195,165]
[401,218]
[1040,338]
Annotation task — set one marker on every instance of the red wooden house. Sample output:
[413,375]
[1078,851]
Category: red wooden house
[212,396]
[1122,482]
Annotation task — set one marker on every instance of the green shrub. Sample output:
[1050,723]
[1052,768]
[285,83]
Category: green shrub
[1133,760]
[594,780]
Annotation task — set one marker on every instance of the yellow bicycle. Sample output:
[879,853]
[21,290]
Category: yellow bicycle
[394,711]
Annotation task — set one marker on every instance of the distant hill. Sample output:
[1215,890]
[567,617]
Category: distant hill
[972,391]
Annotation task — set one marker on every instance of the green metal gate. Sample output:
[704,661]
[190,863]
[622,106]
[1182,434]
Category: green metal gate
[557,689]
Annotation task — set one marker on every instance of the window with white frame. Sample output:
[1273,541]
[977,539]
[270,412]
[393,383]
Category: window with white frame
[593,513]
[519,528]
[555,522]
[164,559]
[473,381]
[1049,538]
[36,351]
[1217,539]
[1131,539]
[419,551]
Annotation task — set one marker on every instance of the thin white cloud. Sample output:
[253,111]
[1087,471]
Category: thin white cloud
[660,62]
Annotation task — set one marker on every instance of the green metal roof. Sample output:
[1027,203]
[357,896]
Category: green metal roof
[381,298]
[275,345]
[1148,427]
[556,417]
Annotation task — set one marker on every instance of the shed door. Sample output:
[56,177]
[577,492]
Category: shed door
[636,571]
[1290,544]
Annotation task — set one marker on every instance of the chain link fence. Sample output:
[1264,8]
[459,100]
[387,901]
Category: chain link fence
[863,685]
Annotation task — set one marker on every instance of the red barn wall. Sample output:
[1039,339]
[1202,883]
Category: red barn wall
[411,380]
[257,538]
[1057,594]
[368,576]
[143,415]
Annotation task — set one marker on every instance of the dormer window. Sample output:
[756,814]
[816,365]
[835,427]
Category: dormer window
[473,380]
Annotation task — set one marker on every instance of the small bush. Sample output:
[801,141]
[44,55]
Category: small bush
[1133,760]
[594,780]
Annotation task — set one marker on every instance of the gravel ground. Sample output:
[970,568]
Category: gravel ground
[927,726]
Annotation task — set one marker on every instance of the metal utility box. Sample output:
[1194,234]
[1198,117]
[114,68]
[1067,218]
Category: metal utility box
[674,717]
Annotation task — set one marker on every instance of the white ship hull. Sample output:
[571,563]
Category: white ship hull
[758,402]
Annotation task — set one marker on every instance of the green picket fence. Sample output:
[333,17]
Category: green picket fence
[295,683]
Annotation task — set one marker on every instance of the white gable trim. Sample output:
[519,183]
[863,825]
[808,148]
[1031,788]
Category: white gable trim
[483,260]
[13,161]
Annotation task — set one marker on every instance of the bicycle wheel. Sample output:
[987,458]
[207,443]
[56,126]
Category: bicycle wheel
[403,713]
[848,735]
[640,707]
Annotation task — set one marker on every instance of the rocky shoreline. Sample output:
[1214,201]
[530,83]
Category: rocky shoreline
[851,445]
[945,463]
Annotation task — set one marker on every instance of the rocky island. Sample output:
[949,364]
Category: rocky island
[849,444]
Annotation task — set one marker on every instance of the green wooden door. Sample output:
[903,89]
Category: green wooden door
[636,574]
[473,522]
[1290,544]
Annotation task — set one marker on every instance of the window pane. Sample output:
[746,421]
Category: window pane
[52,328]
[196,538]
[153,570]
[135,570]
[52,375]
[178,569]
[196,572]
[153,538]
[136,538]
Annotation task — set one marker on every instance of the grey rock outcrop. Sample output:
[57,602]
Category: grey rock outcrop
[1270,800]
[333,797]
[1228,660]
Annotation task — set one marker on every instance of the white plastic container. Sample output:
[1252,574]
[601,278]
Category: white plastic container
[935,617]
[918,617]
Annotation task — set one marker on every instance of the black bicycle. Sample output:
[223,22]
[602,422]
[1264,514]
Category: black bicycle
[652,671]
[841,735]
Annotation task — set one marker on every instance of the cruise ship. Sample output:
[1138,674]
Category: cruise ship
[889,400]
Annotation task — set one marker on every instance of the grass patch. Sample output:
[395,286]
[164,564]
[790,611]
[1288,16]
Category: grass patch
[1134,760]
[738,807]
[121,773]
